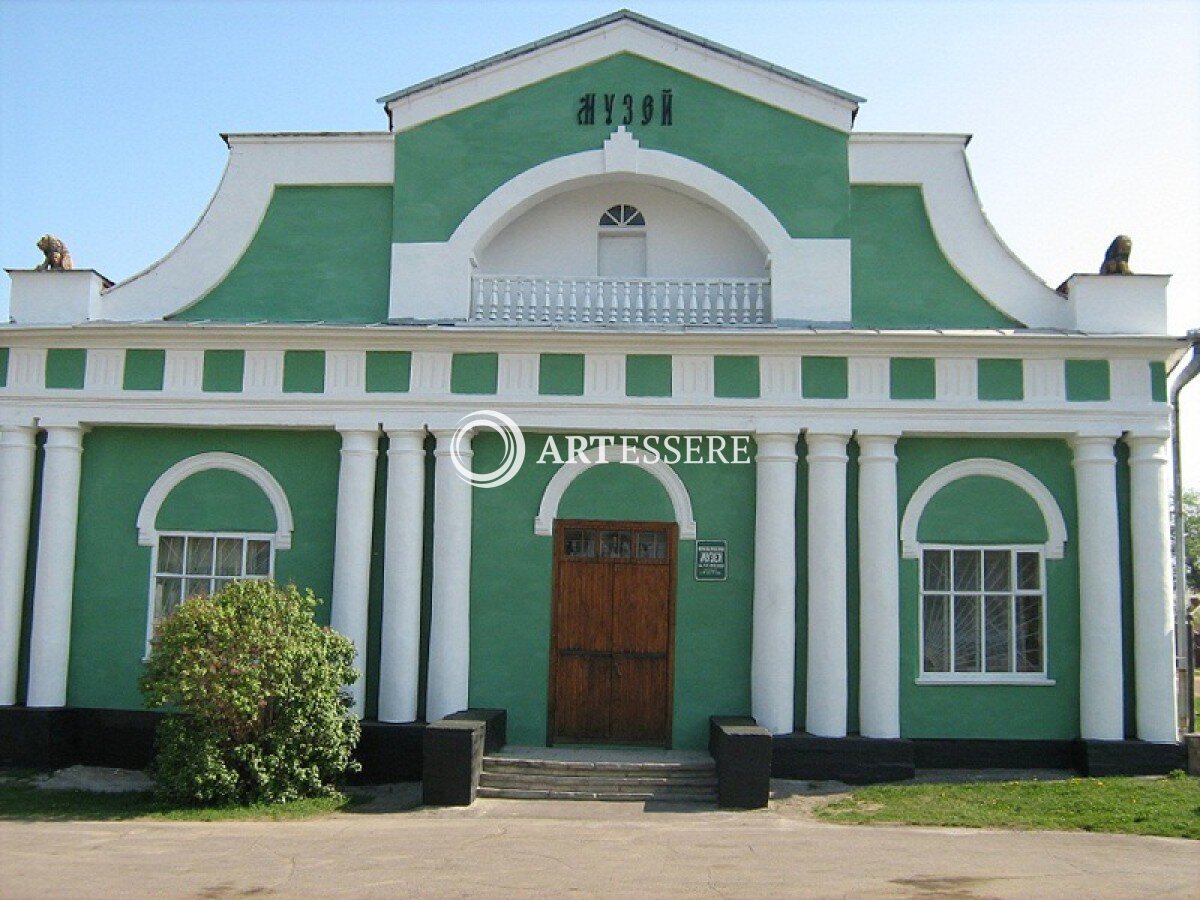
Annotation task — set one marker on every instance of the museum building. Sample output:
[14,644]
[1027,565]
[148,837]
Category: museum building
[927,503]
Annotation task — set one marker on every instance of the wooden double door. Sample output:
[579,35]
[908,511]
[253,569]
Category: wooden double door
[612,632]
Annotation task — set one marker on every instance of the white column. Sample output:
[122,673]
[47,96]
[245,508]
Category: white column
[879,588]
[773,654]
[450,625]
[827,690]
[17,450]
[1153,631]
[54,576]
[400,638]
[1101,700]
[352,548]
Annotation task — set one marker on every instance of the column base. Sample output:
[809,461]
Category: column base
[988,753]
[852,759]
[1104,758]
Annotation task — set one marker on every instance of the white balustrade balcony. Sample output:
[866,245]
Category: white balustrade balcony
[591,301]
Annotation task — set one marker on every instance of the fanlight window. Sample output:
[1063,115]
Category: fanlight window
[622,216]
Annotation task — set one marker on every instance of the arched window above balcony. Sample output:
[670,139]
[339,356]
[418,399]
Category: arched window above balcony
[622,216]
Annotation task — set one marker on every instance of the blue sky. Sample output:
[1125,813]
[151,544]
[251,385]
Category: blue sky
[1086,115]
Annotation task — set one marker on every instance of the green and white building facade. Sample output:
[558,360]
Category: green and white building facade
[937,510]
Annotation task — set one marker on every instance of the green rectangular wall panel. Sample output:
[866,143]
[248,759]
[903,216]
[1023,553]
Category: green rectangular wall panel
[824,377]
[735,376]
[560,373]
[304,371]
[388,371]
[65,368]
[473,373]
[223,370]
[1158,382]
[913,378]
[144,370]
[1001,379]
[3,367]
[1087,379]
[647,375]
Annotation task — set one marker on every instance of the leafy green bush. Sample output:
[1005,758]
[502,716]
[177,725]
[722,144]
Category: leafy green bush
[254,686]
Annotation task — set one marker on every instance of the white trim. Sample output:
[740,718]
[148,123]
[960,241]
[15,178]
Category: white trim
[1056,528]
[230,462]
[503,76]
[938,164]
[681,502]
[1026,679]
[217,241]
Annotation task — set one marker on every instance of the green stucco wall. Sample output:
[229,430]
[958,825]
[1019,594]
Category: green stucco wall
[511,573]
[322,253]
[445,167]
[112,572]
[901,277]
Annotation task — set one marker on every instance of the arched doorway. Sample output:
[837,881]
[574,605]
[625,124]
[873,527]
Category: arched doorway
[612,632]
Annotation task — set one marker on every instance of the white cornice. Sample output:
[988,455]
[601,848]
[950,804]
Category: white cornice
[768,341]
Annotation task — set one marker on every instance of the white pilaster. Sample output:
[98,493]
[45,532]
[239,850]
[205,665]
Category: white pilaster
[54,578]
[17,449]
[352,548]
[400,638]
[1101,700]
[773,653]
[1153,631]
[879,588]
[827,689]
[450,625]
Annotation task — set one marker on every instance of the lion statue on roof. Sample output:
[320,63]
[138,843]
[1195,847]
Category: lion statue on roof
[57,257]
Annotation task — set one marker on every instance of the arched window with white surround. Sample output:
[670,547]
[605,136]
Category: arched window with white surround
[621,248]
[981,530]
[209,520]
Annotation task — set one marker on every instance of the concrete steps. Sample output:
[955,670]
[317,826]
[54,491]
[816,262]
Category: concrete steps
[540,778]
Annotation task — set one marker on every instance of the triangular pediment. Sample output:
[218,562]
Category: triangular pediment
[621,32]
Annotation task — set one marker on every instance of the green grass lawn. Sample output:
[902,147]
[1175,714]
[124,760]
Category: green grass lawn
[1168,806]
[20,799]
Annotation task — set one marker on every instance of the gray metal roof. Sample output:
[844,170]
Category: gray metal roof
[619,15]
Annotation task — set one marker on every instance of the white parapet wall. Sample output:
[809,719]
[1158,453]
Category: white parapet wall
[55,298]
[1119,304]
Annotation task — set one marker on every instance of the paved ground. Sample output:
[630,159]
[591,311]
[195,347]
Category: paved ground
[543,848]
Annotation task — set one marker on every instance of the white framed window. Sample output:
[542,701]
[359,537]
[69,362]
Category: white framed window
[982,615]
[189,563]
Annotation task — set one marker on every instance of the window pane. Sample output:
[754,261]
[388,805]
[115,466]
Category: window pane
[997,633]
[997,570]
[651,545]
[937,570]
[166,597]
[966,633]
[579,543]
[196,587]
[937,635]
[229,556]
[170,555]
[1029,571]
[1029,634]
[616,544]
[199,556]
[258,557]
[219,584]
[966,570]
